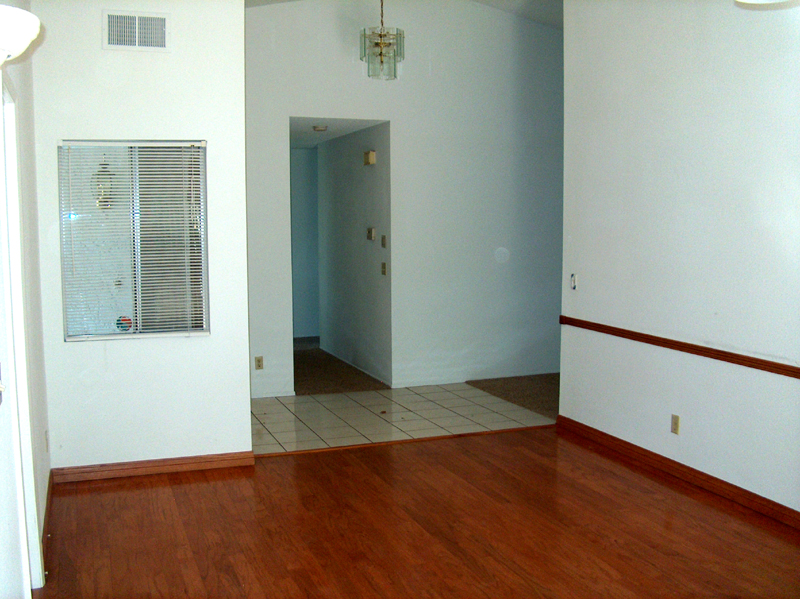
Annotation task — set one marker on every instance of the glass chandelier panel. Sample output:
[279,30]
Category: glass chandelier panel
[382,48]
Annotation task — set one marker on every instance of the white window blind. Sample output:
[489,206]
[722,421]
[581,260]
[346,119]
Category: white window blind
[133,237]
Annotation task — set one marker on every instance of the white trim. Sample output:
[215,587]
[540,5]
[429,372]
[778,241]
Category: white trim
[78,339]
[15,373]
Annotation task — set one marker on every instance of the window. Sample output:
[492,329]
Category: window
[133,238]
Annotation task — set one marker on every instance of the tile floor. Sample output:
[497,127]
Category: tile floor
[298,423]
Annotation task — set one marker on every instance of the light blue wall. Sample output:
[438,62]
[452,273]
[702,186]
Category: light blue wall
[476,181]
[305,258]
[356,318]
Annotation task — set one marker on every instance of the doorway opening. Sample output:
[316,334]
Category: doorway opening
[341,254]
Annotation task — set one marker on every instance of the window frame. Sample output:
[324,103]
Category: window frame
[134,208]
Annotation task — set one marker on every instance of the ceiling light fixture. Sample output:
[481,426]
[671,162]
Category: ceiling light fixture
[382,49]
[18,28]
[320,128]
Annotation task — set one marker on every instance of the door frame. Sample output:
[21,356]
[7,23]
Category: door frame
[16,372]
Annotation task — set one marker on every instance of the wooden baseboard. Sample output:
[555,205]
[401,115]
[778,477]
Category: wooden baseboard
[705,481]
[164,466]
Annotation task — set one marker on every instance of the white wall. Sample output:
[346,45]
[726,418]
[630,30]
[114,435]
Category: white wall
[305,243]
[476,120]
[682,173]
[355,298]
[144,398]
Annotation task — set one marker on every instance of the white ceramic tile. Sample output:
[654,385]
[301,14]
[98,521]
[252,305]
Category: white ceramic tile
[389,412]
[400,416]
[263,438]
[417,404]
[454,402]
[317,415]
[287,427]
[467,428]
[471,393]
[471,410]
[338,404]
[336,433]
[328,397]
[533,419]
[487,419]
[489,401]
[428,432]
[426,389]
[439,395]
[383,436]
[347,441]
[360,395]
[326,425]
[413,425]
[350,411]
[305,409]
[363,419]
[456,387]
[372,428]
[277,408]
[310,405]
[267,449]
[371,402]
[295,436]
[269,419]
[264,401]
[304,445]
[394,393]
[449,421]
[503,425]
[296,400]
[437,412]
[510,408]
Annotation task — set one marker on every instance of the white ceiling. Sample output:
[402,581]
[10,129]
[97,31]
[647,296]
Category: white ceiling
[547,12]
[302,134]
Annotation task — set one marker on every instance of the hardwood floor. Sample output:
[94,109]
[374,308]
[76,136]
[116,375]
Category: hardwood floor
[536,392]
[516,514]
[317,372]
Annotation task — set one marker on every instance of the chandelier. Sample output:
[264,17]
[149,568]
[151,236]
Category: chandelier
[382,49]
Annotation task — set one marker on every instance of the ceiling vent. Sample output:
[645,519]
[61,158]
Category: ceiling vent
[135,31]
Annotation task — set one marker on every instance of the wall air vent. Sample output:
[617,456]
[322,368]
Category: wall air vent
[135,31]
